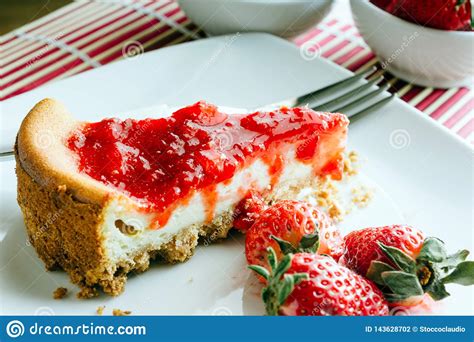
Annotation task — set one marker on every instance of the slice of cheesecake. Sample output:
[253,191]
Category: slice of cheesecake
[101,199]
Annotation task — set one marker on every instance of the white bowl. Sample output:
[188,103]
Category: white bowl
[285,18]
[417,54]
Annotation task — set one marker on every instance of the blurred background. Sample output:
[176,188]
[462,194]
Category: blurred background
[16,13]
[426,53]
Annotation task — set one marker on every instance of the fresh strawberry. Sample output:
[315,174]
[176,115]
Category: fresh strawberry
[440,14]
[248,210]
[387,5]
[301,224]
[360,248]
[405,264]
[308,284]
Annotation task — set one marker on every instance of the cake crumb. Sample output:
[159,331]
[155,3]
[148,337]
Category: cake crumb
[361,196]
[100,310]
[326,193]
[350,164]
[118,312]
[60,293]
[353,156]
[335,211]
[87,292]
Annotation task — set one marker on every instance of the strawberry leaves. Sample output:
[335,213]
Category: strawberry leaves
[279,284]
[453,260]
[428,273]
[462,274]
[399,258]
[308,243]
[260,270]
[402,283]
[376,269]
[432,250]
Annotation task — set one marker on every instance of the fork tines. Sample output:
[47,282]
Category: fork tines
[343,97]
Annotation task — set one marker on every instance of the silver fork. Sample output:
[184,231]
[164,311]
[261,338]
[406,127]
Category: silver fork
[347,101]
[344,103]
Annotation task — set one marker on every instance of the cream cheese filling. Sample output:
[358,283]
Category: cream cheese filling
[135,233]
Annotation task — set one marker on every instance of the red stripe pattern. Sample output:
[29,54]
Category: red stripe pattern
[85,35]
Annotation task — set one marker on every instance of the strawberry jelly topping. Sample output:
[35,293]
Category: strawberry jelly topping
[248,210]
[163,161]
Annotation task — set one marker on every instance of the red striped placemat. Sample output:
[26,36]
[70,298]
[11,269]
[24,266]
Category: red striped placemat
[88,34]
[85,35]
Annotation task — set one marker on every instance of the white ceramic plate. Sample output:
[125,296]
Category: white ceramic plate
[421,172]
